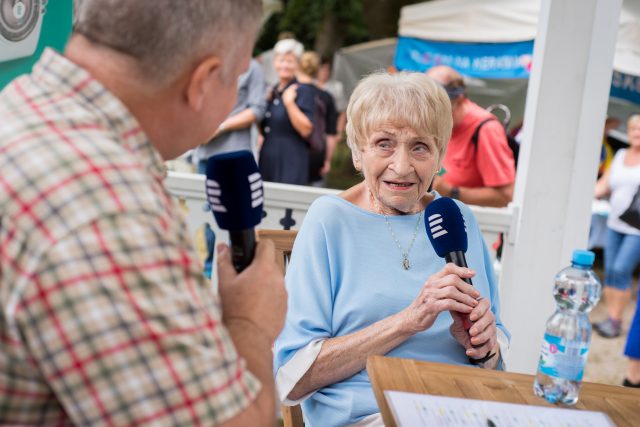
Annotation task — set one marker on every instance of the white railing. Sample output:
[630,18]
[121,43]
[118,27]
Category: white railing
[286,206]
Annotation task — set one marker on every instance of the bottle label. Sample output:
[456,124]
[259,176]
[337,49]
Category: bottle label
[563,358]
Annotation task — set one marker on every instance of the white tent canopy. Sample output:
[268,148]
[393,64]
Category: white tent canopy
[484,21]
[502,21]
[627,55]
[492,21]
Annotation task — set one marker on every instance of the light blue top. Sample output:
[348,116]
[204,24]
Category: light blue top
[345,274]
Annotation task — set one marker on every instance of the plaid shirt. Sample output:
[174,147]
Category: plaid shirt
[105,318]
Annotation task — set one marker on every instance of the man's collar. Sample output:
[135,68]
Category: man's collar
[66,77]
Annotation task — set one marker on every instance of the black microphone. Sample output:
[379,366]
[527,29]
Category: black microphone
[235,194]
[447,233]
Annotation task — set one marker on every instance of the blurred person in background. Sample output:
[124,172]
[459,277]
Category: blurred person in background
[237,131]
[106,318]
[336,89]
[606,152]
[480,174]
[622,250]
[266,60]
[325,120]
[288,121]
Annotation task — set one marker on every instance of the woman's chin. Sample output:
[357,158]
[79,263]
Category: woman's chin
[402,203]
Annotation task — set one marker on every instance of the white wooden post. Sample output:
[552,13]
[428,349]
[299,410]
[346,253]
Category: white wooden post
[563,125]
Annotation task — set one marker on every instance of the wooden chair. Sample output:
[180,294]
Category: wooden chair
[283,241]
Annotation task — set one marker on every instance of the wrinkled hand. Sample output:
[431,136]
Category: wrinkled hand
[289,95]
[257,294]
[444,291]
[482,332]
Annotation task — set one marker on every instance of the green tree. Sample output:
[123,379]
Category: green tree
[327,25]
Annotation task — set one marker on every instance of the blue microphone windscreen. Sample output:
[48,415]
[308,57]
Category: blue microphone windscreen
[234,190]
[445,226]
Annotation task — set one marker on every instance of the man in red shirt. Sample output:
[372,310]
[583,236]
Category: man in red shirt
[479,174]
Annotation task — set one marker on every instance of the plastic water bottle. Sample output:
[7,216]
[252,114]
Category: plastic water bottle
[566,340]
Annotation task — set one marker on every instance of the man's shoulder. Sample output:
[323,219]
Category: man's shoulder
[68,174]
[255,69]
[479,118]
[476,114]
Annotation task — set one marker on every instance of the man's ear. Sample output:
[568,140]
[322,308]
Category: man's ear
[199,82]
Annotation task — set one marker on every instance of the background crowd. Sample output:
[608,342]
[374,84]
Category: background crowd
[292,124]
[295,120]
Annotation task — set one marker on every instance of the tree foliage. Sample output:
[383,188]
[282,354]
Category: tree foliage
[326,25]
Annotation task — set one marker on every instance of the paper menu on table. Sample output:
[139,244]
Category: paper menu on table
[421,410]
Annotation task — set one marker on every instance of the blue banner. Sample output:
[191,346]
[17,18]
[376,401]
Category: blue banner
[481,60]
[625,86]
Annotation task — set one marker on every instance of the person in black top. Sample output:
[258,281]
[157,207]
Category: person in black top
[288,121]
[325,117]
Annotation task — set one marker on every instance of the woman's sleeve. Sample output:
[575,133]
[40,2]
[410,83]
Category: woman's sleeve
[310,304]
[257,87]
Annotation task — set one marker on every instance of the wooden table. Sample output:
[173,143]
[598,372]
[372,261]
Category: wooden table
[622,404]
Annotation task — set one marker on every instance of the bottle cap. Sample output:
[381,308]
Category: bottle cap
[584,258]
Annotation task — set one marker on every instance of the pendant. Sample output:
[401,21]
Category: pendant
[406,264]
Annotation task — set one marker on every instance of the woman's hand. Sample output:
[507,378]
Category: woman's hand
[289,95]
[444,291]
[482,333]
[300,122]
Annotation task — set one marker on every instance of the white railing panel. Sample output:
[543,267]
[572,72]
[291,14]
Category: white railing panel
[286,205]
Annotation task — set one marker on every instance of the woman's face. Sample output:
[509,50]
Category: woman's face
[286,65]
[633,132]
[398,167]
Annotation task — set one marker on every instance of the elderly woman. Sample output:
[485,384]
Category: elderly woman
[363,278]
[288,122]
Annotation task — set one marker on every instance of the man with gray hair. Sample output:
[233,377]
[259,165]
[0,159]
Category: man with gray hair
[105,318]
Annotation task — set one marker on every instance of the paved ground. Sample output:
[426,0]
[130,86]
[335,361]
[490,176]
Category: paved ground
[606,363]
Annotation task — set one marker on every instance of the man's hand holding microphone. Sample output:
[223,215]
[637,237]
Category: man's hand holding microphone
[250,284]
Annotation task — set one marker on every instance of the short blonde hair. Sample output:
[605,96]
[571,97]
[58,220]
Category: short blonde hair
[401,99]
[291,46]
[633,119]
[310,63]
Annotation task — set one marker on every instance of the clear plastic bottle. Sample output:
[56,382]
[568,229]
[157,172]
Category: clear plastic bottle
[566,340]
